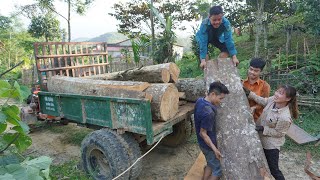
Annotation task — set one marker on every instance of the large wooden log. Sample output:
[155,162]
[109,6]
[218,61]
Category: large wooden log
[151,74]
[124,89]
[165,101]
[173,70]
[237,139]
[194,88]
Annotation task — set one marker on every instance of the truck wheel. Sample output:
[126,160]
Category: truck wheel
[104,155]
[181,132]
[134,154]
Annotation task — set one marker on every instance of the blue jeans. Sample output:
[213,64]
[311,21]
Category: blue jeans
[212,162]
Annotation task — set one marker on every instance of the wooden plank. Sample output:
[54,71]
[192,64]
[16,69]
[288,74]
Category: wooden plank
[51,60]
[64,58]
[77,70]
[184,111]
[196,171]
[71,67]
[72,64]
[70,55]
[299,136]
[59,60]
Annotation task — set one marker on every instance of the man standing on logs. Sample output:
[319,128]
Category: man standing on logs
[256,85]
[205,116]
[216,30]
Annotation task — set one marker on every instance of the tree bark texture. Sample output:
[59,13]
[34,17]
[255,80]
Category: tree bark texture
[237,139]
[194,88]
[165,101]
[151,74]
[123,89]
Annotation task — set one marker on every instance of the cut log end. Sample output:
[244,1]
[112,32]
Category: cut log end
[170,105]
[165,74]
[165,101]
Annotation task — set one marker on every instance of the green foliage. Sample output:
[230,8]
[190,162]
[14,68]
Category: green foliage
[46,26]
[189,66]
[5,23]
[134,16]
[126,54]
[14,132]
[136,51]
[68,170]
[311,12]
[13,90]
[140,44]
[15,46]
[9,114]
[37,168]
[163,52]
[41,7]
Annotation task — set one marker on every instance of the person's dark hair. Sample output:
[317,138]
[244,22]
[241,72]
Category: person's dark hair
[215,10]
[291,92]
[258,63]
[217,87]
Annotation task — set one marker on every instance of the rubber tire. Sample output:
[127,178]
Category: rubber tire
[181,133]
[134,153]
[107,145]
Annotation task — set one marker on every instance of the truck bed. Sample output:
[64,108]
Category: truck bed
[184,111]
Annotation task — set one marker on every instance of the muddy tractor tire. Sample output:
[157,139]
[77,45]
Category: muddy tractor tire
[181,133]
[134,153]
[104,155]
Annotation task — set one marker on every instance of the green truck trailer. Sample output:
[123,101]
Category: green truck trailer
[122,125]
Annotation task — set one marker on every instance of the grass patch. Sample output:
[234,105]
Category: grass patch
[75,137]
[68,170]
[308,121]
[72,135]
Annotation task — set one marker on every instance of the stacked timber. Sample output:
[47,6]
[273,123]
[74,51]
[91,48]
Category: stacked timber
[160,73]
[151,83]
[123,89]
[193,88]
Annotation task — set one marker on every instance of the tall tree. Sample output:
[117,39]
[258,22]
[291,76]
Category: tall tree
[238,13]
[46,26]
[36,9]
[134,16]
[311,12]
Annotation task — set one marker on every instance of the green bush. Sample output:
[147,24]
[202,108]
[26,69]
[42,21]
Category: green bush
[189,66]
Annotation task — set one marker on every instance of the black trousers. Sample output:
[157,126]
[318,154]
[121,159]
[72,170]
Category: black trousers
[272,156]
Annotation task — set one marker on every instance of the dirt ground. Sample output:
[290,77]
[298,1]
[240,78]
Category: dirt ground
[162,163]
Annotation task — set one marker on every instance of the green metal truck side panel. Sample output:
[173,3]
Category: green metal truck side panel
[132,115]
[97,112]
[50,105]
[71,108]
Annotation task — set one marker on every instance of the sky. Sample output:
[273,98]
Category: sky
[95,22]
